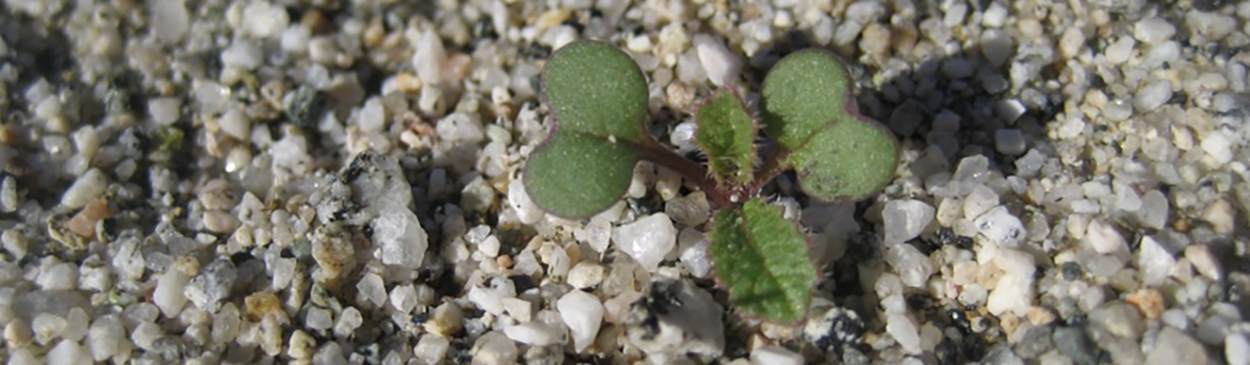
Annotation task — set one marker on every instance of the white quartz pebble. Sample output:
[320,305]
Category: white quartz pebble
[263,20]
[494,348]
[103,338]
[47,327]
[1204,261]
[905,332]
[1154,209]
[905,219]
[431,349]
[370,286]
[775,355]
[1104,238]
[429,58]
[372,117]
[86,188]
[533,334]
[1013,294]
[169,292]
[647,240]
[1237,349]
[1153,261]
[582,313]
[995,16]
[169,20]
[527,212]
[403,298]
[721,65]
[980,200]
[243,54]
[68,352]
[1001,227]
[1152,96]
[912,266]
[1153,30]
[1218,146]
[399,234]
[348,321]
[145,334]
[236,124]
[586,275]
[1120,51]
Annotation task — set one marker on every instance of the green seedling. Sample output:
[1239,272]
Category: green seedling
[598,101]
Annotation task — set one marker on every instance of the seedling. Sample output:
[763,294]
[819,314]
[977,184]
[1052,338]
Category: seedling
[598,100]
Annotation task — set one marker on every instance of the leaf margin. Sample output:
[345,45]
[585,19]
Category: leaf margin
[798,310]
[553,130]
[753,160]
[782,158]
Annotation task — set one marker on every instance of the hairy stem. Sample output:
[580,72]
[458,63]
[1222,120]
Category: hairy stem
[717,196]
[775,166]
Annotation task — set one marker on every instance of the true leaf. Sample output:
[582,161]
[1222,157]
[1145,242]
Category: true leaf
[808,106]
[598,101]
[761,258]
[727,133]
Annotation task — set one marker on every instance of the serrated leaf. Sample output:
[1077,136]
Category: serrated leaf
[598,101]
[727,133]
[762,259]
[808,106]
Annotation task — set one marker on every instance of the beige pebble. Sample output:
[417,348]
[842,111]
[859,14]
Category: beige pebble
[1149,302]
[302,345]
[1204,260]
[97,210]
[1071,43]
[374,33]
[220,221]
[552,18]
[82,226]
[271,335]
[1030,28]
[407,82]
[1221,215]
[876,39]
[18,333]
[187,264]
[680,96]
[1040,316]
[447,319]
[260,304]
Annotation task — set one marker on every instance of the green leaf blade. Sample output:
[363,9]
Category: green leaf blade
[575,175]
[596,88]
[803,93]
[846,161]
[763,261]
[727,133]
[808,106]
[598,100]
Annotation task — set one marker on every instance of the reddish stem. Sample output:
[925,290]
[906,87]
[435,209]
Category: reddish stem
[717,196]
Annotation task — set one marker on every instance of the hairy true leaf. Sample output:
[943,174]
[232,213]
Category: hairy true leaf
[727,133]
[809,108]
[762,259]
[598,100]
